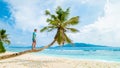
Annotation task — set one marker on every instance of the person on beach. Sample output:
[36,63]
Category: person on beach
[34,39]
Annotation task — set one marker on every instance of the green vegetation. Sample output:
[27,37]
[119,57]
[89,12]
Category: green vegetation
[62,24]
[3,39]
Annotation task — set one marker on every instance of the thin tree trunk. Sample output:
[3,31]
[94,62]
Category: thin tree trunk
[27,51]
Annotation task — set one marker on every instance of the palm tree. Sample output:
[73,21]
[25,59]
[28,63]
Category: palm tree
[3,39]
[59,22]
[62,24]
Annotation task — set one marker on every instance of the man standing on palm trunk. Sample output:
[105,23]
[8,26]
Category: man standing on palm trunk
[34,39]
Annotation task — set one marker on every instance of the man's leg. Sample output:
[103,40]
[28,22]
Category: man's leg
[32,45]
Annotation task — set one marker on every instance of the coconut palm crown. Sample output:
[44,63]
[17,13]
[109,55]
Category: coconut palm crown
[4,36]
[62,24]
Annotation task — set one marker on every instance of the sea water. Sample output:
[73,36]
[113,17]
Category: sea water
[93,53]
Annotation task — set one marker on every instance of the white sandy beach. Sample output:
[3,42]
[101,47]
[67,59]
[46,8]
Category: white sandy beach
[33,61]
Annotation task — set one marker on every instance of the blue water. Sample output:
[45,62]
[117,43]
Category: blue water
[96,53]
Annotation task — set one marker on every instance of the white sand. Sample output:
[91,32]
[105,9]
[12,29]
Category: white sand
[33,61]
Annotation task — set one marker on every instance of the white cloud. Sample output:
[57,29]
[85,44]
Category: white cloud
[105,30]
[28,14]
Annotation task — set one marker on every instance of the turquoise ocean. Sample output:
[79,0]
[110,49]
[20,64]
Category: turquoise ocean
[92,53]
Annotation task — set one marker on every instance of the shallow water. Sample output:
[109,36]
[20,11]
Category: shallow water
[96,53]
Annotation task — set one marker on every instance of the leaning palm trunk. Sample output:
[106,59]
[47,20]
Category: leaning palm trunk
[24,52]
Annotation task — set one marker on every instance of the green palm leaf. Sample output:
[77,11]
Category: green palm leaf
[68,40]
[72,21]
[73,30]
[64,15]
[4,36]
[47,12]
[6,41]
[43,29]
[48,28]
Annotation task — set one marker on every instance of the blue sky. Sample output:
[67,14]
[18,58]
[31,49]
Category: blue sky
[97,20]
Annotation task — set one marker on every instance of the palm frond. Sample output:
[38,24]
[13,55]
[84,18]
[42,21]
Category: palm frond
[63,17]
[48,28]
[53,16]
[47,12]
[6,41]
[4,37]
[51,28]
[2,32]
[54,22]
[65,14]
[44,29]
[73,30]
[68,40]
[58,10]
[48,20]
[72,21]
[59,13]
